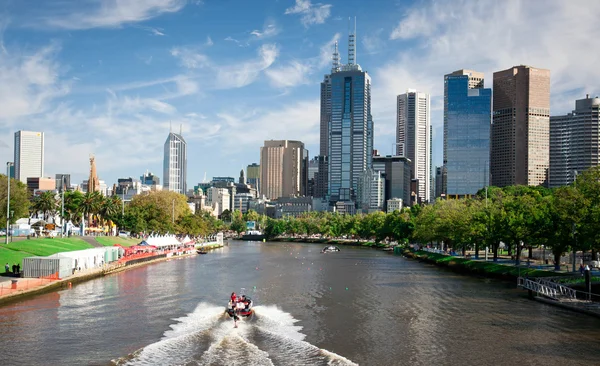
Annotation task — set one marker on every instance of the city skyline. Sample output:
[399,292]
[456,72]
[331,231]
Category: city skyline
[177,62]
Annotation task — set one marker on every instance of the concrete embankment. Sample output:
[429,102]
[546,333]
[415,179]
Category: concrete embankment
[29,287]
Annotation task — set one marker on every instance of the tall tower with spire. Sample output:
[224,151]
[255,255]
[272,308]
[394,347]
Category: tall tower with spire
[93,181]
[346,140]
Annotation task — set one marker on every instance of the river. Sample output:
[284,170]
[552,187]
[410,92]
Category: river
[357,306]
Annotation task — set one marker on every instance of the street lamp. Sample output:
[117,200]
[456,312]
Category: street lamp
[62,206]
[8,165]
[173,210]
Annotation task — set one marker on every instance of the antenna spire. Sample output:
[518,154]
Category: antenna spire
[181,129]
[170,126]
[336,58]
[351,40]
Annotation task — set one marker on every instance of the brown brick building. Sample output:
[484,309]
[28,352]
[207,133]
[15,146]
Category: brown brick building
[520,148]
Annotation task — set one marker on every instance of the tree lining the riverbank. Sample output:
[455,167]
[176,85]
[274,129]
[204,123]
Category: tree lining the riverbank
[560,220]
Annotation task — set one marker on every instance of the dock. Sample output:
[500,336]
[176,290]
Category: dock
[556,294]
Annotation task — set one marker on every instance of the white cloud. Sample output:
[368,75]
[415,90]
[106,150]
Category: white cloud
[226,76]
[293,74]
[29,82]
[209,42]
[153,31]
[187,87]
[190,58]
[311,14]
[299,121]
[114,13]
[326,51]
[372,42]
[134,105]
[246,72]
[269,30]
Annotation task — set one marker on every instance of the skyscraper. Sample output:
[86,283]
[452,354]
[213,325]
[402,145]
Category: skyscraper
[253,175]
[521,127]
[350,129]
[396,171]
[175,164]
[467,124]
[29,155]
[574,142]
[284,169]
[413,138]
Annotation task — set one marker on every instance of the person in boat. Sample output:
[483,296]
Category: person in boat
[233,297]
[246,302]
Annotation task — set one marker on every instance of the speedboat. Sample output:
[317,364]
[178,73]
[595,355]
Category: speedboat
[201,251]
[330,248]
[242,307]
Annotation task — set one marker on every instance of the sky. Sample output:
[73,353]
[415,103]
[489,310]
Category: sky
[112,77]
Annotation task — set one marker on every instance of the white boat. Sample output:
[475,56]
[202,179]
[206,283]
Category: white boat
[330,248]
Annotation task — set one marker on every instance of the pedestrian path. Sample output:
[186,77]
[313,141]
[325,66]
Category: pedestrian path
[92,241]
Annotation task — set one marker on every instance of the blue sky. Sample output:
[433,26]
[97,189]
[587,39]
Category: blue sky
[108,77]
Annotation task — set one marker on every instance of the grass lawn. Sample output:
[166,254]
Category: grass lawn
[486,267]
[11,257]
[109,241]
[46,246]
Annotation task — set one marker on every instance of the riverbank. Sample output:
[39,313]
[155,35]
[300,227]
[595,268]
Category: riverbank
[29,287]
[478,267]
[326,241]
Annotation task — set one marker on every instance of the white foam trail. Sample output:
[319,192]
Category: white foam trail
[278,321]
[202,318]
[206,336]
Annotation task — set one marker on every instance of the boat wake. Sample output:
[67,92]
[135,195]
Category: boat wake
[207,337]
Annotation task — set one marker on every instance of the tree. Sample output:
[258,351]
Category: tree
[156,210]
[251,215]
[110,209]
[19,200]
[226,215]
[90,205]
[237,224]
[72,206]
[46,203]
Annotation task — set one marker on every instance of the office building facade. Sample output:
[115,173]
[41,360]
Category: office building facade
[413,138]
[253,175]
[574,142]
[350,127]
[520,151]
[29,155]
[396,171]
[284,169]
[467,128]
[63,182]
[175,164]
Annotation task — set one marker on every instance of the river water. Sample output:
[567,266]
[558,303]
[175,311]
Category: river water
[357,306]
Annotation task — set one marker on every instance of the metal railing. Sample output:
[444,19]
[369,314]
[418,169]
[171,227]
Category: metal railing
[549,289]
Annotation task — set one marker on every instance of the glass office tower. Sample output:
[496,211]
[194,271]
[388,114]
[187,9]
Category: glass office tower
[347,122]
[350,133]
[467,123]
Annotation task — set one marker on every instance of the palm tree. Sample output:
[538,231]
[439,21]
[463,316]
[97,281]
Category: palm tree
[110,209]
[73,211]
[90,205]
[46,203]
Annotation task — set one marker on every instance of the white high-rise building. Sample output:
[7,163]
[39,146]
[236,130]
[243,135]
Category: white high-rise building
[220,199]
[175,164]
[413,138]
[29,155]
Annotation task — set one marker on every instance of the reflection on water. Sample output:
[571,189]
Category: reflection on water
[357,306]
